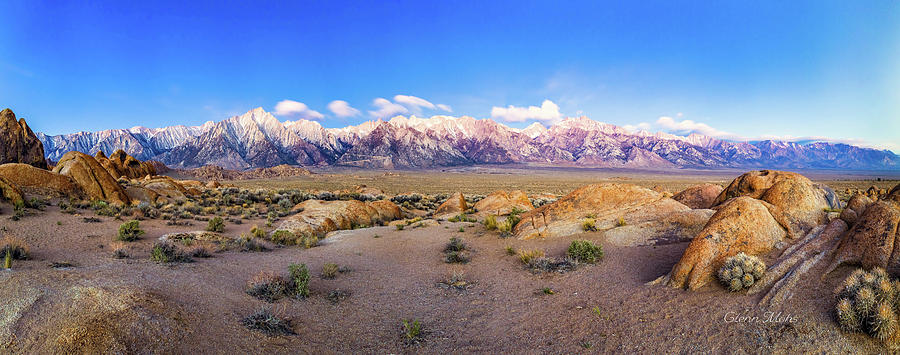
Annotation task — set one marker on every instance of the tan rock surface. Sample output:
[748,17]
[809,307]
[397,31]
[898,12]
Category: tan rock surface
[501,203]
[18,144]
[93,179]
[317,217]
[454,205]
[699,196]
[39,181]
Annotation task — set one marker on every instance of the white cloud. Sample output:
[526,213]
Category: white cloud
[686,127]
[637,127]
[548,111]
[386,108]
[341,108]
[413,102]
[444,107]
[294,108]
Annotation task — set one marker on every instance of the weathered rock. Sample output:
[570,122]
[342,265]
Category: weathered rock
[317,217]
[167,188]
[91,177]
[608,204]
[858,203]
[18,144]
[677,227]
[120,164]
[872,241]
[39,181]
[454,205]
[501,203]
[741,224]
[699,196]
[849,216]
[11,192]
[802,202]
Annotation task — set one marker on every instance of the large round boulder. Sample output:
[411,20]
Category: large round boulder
[606,206]
[40,181]
[501,203]
[18,144]
[803,202]
[454,205]
[93,179]
[317,218]
[699,196]
[873,240]
[741,224]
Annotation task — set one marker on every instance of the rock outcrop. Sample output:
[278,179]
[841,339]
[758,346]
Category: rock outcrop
[699,196]
[803,202]
[91,177]
[741,224]
[18,144]
[159,188]
[11,192]
[454,205]
[501,203]
[317,218]
[120,164]
[40,181]
[607,204]
[873,240]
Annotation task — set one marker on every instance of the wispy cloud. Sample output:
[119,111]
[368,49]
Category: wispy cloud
[443,107]
[298,109]
[548,112]
[385,108]
[416,104]
[341,108]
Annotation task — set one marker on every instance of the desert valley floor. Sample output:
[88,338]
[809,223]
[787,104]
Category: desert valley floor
[73,294]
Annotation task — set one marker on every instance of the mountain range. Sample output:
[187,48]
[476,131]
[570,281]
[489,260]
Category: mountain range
[257,139]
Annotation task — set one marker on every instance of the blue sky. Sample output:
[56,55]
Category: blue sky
[731,69]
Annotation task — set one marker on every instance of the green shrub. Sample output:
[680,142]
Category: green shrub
[130,231]
[413,330]
[257,232]
[589,225]
[400,227]
[462,217]
[510,250]
[585,251]
[300,278]
[216,224]
[621,222]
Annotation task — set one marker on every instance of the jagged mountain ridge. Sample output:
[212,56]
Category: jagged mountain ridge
[257,139]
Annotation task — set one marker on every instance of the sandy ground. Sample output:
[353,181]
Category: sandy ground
[604,308]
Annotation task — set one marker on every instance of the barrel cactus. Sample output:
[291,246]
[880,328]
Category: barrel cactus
[741,271]
[868,302]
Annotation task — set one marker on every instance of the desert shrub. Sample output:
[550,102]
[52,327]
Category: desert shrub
[585,251]
[166,252]
[412,330]
[119,249]
[868,302]
[91,220]
[548,291]
[268,286]
[621,222]
[336,296]
[741,271]
[455,251]
[286,237]
[200,251]
[527,256]
[510,250]
[14,248]
[36,203]
[490,222]
[130,231]
[18,210]
[400,227]
[7,261]
[589,225]
[265,321]
[462,217]
[248,243]
[545,264]
[300,279]
[216,224]
[257,232]
[329,270]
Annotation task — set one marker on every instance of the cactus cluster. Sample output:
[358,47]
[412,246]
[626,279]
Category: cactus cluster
[741,271]
[868,302]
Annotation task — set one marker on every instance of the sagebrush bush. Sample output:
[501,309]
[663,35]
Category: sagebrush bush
[741,271]
[268,286]
[119,249]
[869,302]
[257,232]
[585,251]
[265,321]
[216,224]
[166,252]
[129,231]
[527,256]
